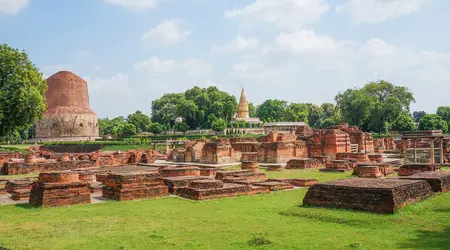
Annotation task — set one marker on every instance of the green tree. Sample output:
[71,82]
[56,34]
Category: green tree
[140,120]
[274,110]
[219,125]
[315,116]
[444,112]
[433,122]
[374,106]
[181,127]
[164,110]
[297,112]
[418,115]
[22,90]
[156,128]
[129,130]
[251,110]
[405,122]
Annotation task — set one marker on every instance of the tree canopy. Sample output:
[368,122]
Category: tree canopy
[433,122]
[375,106]
[195,106]
[140,120]
[22,91]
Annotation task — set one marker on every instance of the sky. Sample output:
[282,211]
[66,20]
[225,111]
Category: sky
[133,51]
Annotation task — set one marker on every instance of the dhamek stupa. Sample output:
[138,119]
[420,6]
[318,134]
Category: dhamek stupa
[68,116]
[243,113]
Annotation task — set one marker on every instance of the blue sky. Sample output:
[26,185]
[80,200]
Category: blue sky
[133,51]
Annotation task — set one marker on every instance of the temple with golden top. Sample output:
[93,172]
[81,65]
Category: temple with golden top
[243,113]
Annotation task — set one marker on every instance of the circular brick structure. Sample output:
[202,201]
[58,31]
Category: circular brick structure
[68,115]
[59,177]
[206,184]
[250,165]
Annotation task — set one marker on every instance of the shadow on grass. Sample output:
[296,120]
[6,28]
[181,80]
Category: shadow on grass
[429,240]
[25,206]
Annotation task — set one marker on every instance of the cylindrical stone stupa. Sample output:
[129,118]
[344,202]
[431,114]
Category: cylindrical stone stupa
[68,116]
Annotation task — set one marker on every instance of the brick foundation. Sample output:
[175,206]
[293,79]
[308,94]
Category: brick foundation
[381,195]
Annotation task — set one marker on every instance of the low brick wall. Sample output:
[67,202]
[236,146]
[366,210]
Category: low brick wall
[17,168]
[304,163]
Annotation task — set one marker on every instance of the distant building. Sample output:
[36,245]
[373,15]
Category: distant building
[243,113]
[289,127]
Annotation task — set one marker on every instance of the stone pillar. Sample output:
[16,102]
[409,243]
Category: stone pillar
[405,156]
[441,151]
[432,161]
[415,150]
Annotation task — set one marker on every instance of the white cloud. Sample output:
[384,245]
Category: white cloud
[163,76]
[284,14]
[190,67]
[239,43]
[307,42]
[135,5]
[169,31]
[374,11]
[12,7]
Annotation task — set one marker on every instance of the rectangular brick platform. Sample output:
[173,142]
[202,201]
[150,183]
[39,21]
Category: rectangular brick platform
[274,185]
[410,169]
[228,190]
[55,189]
[297,182]
[439,181]
[19,189]
[16,168]
[134,186]
[173,183]
[376,195]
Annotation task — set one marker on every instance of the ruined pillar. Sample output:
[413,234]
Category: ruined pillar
[405,156]
[432,151]
[441,151]
[415,150]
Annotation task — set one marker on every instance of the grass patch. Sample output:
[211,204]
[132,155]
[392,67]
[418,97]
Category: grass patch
[18,176]
[276,221]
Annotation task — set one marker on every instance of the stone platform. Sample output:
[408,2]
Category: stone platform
[410,169]
[57,189]
[304,163]
[173,183]
[205,190]
[296,182]
[134,186]
[376,195]
[439,181]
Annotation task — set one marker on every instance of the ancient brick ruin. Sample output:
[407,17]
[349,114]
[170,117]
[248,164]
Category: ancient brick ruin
[45,161]
[134,186]
[376,195]
[410,169]
[55,189]
[219,152]
[439,181]
[68,115]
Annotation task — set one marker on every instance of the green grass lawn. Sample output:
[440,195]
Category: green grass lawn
[18,176]
[270,221]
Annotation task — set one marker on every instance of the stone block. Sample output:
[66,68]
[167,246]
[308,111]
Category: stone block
[439,181]
[304,163]
[297,182]
[375,195]
[410,169]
